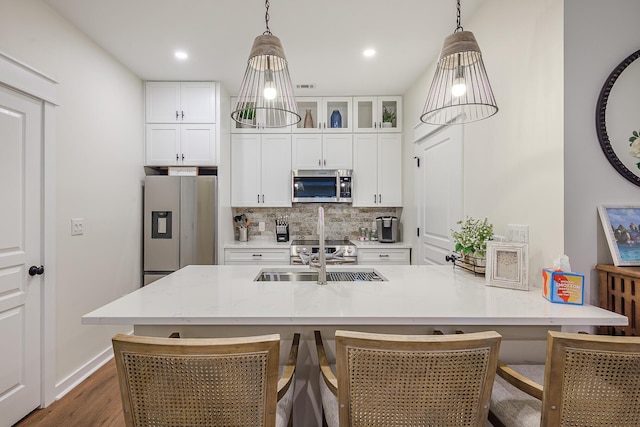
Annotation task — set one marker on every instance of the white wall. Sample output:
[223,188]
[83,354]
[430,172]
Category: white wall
[513,160]
[99,137]
[598,36]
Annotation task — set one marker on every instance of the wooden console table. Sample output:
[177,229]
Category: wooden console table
[619,293]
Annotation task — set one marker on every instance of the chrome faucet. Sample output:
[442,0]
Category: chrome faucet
[321,265]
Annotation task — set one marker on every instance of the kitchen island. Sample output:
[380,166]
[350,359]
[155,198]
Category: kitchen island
[224,301]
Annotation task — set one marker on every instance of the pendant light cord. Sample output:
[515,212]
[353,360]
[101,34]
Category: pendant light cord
[266,16]
[459,26]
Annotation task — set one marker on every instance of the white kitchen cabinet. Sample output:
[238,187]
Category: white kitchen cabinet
[258,119]
[261,170]
[180,102]
[320,110]
[383,256]
[180,144]
[377,114]
[256,256]
[321,151]
[377,170]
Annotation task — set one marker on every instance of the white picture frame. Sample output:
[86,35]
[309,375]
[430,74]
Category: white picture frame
[507,265]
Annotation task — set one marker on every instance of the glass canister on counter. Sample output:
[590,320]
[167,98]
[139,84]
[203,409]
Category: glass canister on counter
[374,231]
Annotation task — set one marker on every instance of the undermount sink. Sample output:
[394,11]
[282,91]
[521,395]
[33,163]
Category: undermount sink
[285,275]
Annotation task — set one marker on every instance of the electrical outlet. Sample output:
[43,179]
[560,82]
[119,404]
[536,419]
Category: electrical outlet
[518,233]
[261,226]
[77,226]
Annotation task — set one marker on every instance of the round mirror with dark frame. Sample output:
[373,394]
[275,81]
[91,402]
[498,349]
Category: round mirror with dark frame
[618,118]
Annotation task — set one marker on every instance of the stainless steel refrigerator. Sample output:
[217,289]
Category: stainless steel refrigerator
[179,223]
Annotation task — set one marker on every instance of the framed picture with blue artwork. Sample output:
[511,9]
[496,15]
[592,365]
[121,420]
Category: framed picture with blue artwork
[621,225]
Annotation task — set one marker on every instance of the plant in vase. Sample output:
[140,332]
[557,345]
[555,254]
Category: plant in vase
[388,117]
[472,238]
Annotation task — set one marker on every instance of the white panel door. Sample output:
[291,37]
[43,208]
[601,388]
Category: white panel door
[365,170]
[337,151]
[162,147]
[198,144]
[198,102]
[440,192]
[245,170]
[162,102]
[20,248]
[276,170]
[307,151]
[390,169]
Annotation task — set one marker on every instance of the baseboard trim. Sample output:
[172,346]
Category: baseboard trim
[70,382]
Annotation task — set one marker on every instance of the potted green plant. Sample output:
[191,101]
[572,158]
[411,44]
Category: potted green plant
[471,240]
[388,117]
[248,117]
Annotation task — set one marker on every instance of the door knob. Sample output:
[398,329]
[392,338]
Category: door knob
[33,270]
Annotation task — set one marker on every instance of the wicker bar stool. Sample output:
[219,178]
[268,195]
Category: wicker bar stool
[589,380]
[205,381]
[408,380]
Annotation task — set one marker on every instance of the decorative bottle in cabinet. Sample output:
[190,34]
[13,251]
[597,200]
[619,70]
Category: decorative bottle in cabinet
[336,119]
[308,119]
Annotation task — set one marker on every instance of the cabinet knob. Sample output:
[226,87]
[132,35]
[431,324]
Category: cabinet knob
[182,156]
[177,157]
[177,115]
[379,198]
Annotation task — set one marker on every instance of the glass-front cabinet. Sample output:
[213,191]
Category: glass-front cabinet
[258,120]
[324,114]
[377,114]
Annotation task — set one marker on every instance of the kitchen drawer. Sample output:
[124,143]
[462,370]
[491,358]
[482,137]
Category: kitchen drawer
[391,256]
[256,256]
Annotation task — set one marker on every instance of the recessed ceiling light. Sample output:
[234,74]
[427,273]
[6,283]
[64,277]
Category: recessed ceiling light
[369,52]
[180,54]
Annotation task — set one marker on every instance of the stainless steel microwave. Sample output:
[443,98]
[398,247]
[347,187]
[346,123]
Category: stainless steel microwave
[321,186]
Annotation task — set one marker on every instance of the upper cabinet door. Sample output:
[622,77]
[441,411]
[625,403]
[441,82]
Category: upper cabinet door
[326,115]
[377,114]
[198,102]
[337,114]
[180,102]
[307,152]
[162,102]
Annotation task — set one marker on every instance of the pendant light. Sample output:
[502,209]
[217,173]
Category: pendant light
[460,91]
[266,96]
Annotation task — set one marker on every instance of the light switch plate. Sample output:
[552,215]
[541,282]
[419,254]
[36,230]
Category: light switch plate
[518,233]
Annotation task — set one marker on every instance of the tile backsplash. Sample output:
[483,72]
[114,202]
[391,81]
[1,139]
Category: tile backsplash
[341,221]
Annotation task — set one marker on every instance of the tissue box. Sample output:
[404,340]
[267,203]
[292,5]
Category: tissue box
[563,287]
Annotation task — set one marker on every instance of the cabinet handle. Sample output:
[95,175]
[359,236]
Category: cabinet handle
[319,162]
[258,198]
[384,255]
[375,200]
[379,198]
[325,162]
[261,255]
[177,115]
[182,156]
[375,125]
[263,198]
[177,157]
[182,115]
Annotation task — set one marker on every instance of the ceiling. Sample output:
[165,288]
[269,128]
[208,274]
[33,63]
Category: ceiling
[323,40]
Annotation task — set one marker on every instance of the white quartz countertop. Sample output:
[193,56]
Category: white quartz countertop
[429,295]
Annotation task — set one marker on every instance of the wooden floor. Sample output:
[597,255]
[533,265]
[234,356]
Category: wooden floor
[94,402]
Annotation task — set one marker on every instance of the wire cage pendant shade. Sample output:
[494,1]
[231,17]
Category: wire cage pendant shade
[460,91]
[266,97]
